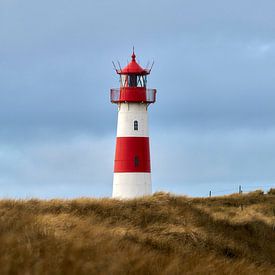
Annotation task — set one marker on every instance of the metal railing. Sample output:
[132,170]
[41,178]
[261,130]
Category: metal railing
[115,95]
[150,95]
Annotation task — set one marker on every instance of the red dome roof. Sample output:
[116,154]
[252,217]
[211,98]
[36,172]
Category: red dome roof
[133,68]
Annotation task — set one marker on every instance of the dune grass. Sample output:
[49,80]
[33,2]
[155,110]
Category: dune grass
[159,234]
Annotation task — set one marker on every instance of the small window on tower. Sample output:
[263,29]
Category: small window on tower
[136,125]
[136,161]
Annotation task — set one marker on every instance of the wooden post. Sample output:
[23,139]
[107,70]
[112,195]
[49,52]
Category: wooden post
[240,189]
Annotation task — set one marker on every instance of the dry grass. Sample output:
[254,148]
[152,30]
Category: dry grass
[161,234]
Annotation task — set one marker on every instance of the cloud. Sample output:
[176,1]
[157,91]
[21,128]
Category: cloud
[183,161]
[76,166]
[195,162]
[214,72]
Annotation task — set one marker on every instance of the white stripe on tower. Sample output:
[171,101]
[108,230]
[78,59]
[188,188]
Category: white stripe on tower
[128,113]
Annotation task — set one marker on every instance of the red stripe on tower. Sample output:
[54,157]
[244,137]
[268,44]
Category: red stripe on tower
[132,155]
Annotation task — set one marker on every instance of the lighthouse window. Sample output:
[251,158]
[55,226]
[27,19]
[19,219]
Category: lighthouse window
[132,81]
[141,81]
[136,161]
[136,125]
[123,80]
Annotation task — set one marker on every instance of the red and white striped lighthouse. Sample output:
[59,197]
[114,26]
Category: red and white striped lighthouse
[132,168]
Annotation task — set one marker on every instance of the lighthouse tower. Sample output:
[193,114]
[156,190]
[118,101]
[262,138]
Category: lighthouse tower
[132,168]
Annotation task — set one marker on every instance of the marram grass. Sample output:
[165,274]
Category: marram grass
[159,234]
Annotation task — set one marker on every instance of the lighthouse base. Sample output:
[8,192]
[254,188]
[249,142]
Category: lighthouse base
[131,185]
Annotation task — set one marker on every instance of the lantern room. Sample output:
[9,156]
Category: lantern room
[133,82]
[133,75]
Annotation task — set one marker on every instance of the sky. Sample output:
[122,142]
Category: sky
[212,127]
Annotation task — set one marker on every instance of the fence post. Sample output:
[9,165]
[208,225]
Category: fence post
[210,194]
[240,189]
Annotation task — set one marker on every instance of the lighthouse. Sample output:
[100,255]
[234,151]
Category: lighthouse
[132,167]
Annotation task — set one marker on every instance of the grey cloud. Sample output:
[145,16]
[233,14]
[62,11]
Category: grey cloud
[214,71]
[195,162]
[183,161]
[79,166]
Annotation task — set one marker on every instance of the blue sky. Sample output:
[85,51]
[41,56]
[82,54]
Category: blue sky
[212,127]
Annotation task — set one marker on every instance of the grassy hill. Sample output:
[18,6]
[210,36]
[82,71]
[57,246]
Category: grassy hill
[160,234]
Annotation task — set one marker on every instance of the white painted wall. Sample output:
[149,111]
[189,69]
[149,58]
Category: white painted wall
[131,185]
[127,114]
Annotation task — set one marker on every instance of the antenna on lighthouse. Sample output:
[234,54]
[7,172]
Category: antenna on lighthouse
[114,65]
[119,65]
[152,66]
[133,55]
